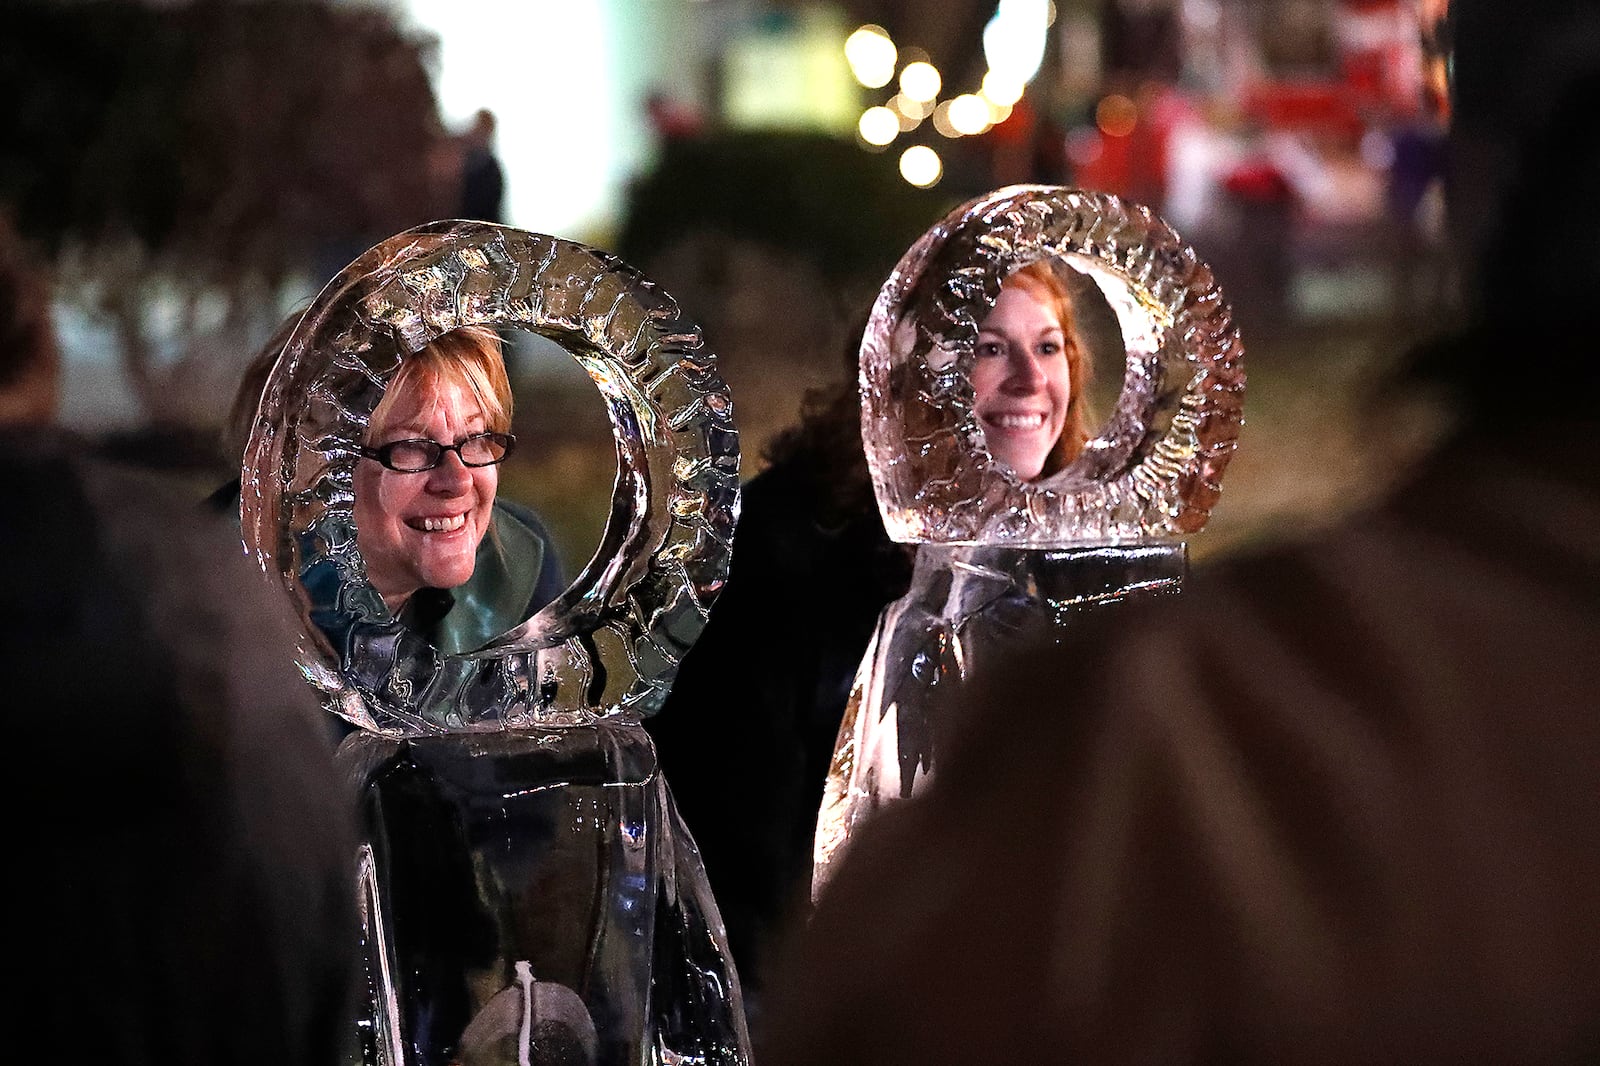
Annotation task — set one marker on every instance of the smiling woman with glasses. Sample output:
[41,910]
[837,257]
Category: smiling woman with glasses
[447,558]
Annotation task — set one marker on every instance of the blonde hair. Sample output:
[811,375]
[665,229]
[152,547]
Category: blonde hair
[469,356]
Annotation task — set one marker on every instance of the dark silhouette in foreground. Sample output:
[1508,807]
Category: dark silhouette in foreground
[178,845]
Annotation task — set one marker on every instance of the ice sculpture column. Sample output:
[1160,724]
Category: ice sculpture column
[529,892]
[974,417]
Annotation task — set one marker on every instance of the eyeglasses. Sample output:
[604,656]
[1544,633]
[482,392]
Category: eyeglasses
[415,456]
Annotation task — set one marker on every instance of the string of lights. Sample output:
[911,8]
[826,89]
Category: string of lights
[1013,49]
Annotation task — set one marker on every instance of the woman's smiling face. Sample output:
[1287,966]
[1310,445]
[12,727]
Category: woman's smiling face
[1020,382]
[422,530]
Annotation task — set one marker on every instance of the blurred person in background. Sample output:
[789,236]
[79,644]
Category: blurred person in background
[233,436]
[748,728]
[178,851]
[1337,803]
[483,181]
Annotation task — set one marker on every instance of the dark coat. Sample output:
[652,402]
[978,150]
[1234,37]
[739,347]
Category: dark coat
[746,735]
[181,840]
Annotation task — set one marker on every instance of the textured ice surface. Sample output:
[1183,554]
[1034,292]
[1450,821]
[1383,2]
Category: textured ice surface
[1155,468]
[1005,560]
[529,893]
[967,606]
[535,891]
[611,643]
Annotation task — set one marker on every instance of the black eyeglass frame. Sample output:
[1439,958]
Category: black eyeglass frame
[383,453]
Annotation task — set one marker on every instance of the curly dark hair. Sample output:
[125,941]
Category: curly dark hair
[828,438]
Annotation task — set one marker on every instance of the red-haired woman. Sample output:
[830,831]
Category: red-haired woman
[1030,377]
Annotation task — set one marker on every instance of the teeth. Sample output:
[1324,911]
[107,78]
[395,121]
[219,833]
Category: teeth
[1033,421]
[443,525]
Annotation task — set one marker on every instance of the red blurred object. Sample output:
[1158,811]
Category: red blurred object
[671,119]
[1326,106]
[1259,182]
[1108,168]
[1017,128]
[1135,165]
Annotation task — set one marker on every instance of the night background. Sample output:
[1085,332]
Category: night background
[191,173]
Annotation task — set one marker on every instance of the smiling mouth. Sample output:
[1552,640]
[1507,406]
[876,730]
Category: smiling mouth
[1015,423]
[447,524]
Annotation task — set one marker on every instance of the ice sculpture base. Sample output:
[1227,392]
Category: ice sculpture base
[532,896]
[967,606]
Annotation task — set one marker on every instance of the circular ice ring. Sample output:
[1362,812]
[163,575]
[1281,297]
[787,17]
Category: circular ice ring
[611,643]
[1154,471]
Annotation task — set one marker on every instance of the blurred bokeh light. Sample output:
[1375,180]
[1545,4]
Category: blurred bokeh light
[878,126]
[920,81]
[872,56]
[920,165]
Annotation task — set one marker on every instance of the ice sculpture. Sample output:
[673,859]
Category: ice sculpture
[529,893]
[1013,547]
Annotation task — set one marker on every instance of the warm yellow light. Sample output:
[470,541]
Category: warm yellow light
[941,120]
[969,114]
[998,113]
[921,81]
[999,89]
[907,106]
[1014,39]
[920,165]
[878,125]
[1116,115]
[872,56]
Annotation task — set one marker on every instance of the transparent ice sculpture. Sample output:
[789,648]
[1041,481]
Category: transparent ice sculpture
[529,893]
[1003,558]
